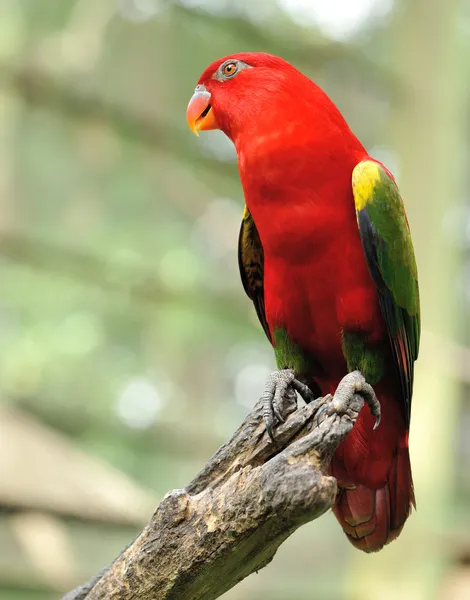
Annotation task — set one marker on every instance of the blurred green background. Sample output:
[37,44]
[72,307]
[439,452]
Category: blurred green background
[128,350]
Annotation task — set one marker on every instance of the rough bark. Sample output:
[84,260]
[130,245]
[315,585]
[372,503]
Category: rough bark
[230,520]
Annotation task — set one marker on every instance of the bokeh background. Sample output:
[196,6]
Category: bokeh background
[128,351]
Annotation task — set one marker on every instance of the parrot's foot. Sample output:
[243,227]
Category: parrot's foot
[353,383]
[279,397]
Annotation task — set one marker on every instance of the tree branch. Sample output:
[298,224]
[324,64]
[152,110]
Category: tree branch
[231,519]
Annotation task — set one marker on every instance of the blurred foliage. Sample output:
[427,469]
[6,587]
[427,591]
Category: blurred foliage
[122,320]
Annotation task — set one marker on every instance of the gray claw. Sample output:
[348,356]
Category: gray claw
[343,402]
[277,414]
[321,415]
[281,386]
[268,421]
[303,390]
[367,392]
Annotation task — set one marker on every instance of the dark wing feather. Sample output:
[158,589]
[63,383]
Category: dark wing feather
[251,263]
[388,248]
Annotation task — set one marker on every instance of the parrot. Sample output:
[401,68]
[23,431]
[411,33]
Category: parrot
[326,256]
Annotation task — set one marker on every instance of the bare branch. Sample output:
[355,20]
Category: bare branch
[231,519]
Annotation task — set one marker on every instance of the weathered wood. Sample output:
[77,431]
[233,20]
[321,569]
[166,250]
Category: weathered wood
[231,519]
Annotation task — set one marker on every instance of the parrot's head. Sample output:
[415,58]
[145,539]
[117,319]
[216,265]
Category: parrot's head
[245,92]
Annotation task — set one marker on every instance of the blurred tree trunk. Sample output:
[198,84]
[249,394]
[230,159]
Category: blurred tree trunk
[428,134]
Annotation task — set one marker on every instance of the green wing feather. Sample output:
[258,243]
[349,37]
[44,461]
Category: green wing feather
[388,248]
[251,263]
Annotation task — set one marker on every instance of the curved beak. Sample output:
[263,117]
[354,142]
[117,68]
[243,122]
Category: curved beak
[199,113]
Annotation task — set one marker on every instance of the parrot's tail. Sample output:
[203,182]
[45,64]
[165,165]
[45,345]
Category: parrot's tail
[372,518]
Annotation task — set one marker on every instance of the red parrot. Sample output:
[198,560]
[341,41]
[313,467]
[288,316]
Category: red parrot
[326,256]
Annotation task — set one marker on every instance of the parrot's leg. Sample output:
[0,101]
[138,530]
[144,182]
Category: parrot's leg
[353,383]
[279,397]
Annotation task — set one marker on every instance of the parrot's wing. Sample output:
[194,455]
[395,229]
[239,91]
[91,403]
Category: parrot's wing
[388,248]
[251,263]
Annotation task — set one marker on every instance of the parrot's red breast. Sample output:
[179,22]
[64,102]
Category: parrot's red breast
[296,157]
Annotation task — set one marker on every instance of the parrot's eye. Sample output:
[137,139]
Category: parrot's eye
[230,69]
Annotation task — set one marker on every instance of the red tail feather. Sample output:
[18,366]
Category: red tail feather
[372,518]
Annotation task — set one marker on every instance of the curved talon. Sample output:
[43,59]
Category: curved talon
[268,414]
[303,390]
[269,427]
[323,410]
[367,392]
[352,383]
[281,385]
[321,414]
[278,415]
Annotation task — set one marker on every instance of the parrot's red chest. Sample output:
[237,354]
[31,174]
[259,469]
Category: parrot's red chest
[321,290]
[316,279]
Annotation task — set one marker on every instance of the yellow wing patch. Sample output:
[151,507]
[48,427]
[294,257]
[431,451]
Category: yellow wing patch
[365,177]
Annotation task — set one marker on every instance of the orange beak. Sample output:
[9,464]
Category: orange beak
[199,114]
